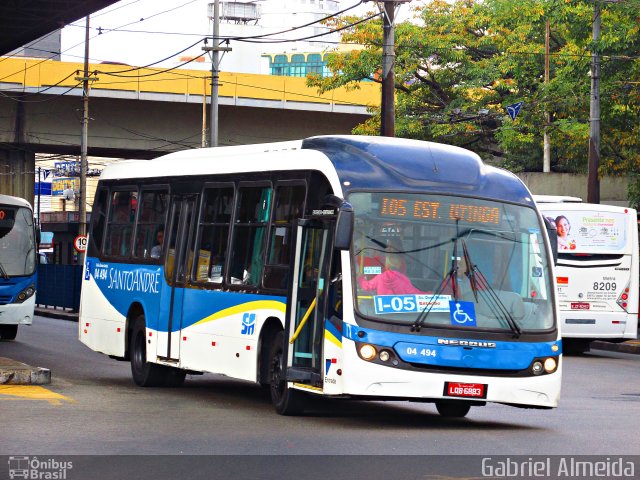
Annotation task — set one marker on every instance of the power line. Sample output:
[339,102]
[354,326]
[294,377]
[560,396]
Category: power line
[64,51]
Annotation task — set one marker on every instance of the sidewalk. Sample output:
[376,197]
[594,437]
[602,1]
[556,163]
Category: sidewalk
[630,346]
[61,313]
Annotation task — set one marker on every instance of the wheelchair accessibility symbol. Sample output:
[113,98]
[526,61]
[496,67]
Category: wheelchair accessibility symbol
[462,313]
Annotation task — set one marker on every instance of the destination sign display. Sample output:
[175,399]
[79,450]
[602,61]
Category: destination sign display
[431,210]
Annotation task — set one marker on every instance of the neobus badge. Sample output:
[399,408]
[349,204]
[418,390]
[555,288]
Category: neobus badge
[466,343]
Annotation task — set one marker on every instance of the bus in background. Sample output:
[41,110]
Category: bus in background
[338,266]
[597,270]
[17,265]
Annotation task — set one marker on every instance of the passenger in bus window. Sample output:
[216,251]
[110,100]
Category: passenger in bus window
[156,251]
[122,209]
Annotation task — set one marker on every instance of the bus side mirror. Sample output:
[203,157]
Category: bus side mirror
[344,227]
[553,238]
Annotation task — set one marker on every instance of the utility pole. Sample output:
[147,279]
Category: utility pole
[546,164]
[82,210]
[593,184]
[388,109]
[215,48]
[204,114]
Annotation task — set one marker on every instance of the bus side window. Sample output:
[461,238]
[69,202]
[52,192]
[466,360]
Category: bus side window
[249,232]
[213,234]
[120,225]
[99,215]
[151,220]
[289,205]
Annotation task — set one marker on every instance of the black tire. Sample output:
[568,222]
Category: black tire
[8,332]
[144,374]
[286,401]
[453,408]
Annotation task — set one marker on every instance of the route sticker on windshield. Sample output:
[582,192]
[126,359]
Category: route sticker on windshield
[462,313]
[411,303]
[372,270]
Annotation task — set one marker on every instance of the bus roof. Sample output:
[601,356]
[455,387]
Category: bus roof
[359,162]
[14,201]
[556,199]
[413,165]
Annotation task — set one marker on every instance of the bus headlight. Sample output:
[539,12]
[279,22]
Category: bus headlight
[537,368]
[550,365]
[384,356]
[26,293]
[367,352]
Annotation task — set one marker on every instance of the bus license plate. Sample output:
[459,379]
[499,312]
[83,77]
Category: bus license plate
[467,390]
[579,306]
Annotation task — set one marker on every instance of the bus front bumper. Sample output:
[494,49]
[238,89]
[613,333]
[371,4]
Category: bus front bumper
[18,313]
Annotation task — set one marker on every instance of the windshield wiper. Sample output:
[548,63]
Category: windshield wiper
[480,285]
[3,272]
[449,277]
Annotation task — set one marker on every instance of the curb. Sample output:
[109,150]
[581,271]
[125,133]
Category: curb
[18,373]
[60,314]
[630,346]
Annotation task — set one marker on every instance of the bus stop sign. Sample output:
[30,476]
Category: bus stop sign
[80,243]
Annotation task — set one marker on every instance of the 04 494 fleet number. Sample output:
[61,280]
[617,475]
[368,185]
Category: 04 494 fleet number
[424,352]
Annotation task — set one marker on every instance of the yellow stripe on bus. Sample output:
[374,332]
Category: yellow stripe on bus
[244,307]
[332,338]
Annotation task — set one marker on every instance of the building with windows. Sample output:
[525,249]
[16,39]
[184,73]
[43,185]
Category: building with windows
[297,64]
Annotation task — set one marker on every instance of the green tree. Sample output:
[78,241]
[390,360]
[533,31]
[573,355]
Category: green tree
[460,64]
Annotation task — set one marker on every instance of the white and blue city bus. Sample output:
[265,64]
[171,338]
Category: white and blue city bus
[17,265]
[269,257]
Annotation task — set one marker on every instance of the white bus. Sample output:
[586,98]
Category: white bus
[336,266]
[597,270]
[18,274]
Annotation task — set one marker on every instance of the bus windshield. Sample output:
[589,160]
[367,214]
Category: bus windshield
[17,244]
[450,262]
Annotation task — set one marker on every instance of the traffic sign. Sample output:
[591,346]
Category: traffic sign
[80,243]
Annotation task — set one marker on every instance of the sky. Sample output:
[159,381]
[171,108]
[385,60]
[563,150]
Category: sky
[142,32]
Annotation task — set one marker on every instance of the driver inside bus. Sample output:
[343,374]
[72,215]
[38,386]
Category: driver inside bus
[391,281]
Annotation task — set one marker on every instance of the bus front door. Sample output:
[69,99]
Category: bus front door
[177,266]
[306,305]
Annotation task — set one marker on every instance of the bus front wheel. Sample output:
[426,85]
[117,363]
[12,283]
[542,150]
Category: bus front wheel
[8,332]
[286,401]
[453,409]
[144,374]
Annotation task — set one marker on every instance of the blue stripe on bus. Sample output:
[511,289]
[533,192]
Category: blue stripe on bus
[477,354]
[124,284]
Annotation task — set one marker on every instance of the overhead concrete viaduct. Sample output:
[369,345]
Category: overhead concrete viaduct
[143,113]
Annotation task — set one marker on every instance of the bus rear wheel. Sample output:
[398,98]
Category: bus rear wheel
[144,374]
[452,409]
[286,401]
[8,332]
